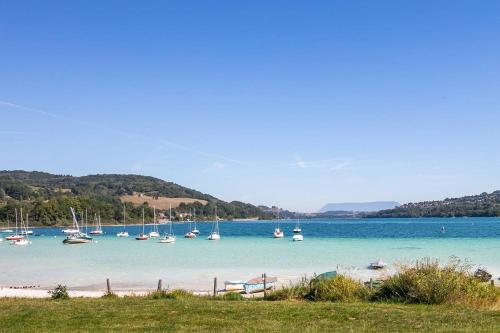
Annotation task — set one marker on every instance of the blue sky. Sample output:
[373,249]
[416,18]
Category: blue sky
[289,103]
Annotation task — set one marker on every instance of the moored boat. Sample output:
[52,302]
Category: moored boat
[297,238]
[142,236]
[123,233]
[169,237]
[215,235]
[154,233]
[77,237]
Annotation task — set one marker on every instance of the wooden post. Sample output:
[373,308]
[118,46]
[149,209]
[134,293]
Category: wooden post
[492,282]
[215,286]
[265,285]
[159,285]
[108,286]
[371,283]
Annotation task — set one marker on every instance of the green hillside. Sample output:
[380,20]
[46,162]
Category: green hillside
[482,205]
[47,197]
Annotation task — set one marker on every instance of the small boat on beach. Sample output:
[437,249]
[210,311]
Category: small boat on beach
[215,235]
[235,285]
[256,285]
[169,237]
[379,264]
[124,232]
[142,236]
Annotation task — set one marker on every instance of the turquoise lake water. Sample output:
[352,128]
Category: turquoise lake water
[246,250]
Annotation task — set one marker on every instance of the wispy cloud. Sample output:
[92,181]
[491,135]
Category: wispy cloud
[125,133]
[329,164]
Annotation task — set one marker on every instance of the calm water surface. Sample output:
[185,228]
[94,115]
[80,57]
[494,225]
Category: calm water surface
[245,250]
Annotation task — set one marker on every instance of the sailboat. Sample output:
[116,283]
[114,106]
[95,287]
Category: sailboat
[98,227]
[297,229]
[190,233]
[169,237]
[17,236]
[278,233]
[24,240]
[215,235]
[26,231]
[195,230]
[78,237]
[142,235]
[74,231]
[154,232]
[297,237]
[8,230]
[123,233]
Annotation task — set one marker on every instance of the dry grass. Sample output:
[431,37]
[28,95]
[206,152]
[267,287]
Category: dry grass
[160,203]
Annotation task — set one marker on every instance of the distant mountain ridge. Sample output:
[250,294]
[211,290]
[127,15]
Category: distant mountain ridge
[373,206]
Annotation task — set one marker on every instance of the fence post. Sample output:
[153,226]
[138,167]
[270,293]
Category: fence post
[159,285]
[265,285]
[108,286]
[371,283]
[215,286]
[492,282]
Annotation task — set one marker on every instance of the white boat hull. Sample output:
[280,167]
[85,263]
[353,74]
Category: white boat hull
[154,234]
[122,234]
[298,238]
[214,236]
[168,239]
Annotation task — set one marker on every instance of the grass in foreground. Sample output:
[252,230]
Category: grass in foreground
[195,314]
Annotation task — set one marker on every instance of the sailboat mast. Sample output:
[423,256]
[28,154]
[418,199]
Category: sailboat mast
[16,221]
[143,220]
[170,219]
[123,217]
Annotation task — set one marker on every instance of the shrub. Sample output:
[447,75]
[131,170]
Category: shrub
[291,292]
[174,294]
[232,296]
[430,283]
[338,289]
[60,292]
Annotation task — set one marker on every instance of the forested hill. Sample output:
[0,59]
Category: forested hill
[485,204]
[47,197]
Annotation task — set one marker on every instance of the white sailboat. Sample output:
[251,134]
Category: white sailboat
[154,232]
[123,233]
[78,237]
[24,240]
[8,230]
[142,235]
[278,233]
[97,226]
[169,237]
[190,233]
[195,229]
[17,236]
[297,237]
[215,235]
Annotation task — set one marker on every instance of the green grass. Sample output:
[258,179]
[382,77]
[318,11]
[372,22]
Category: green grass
[196,314]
